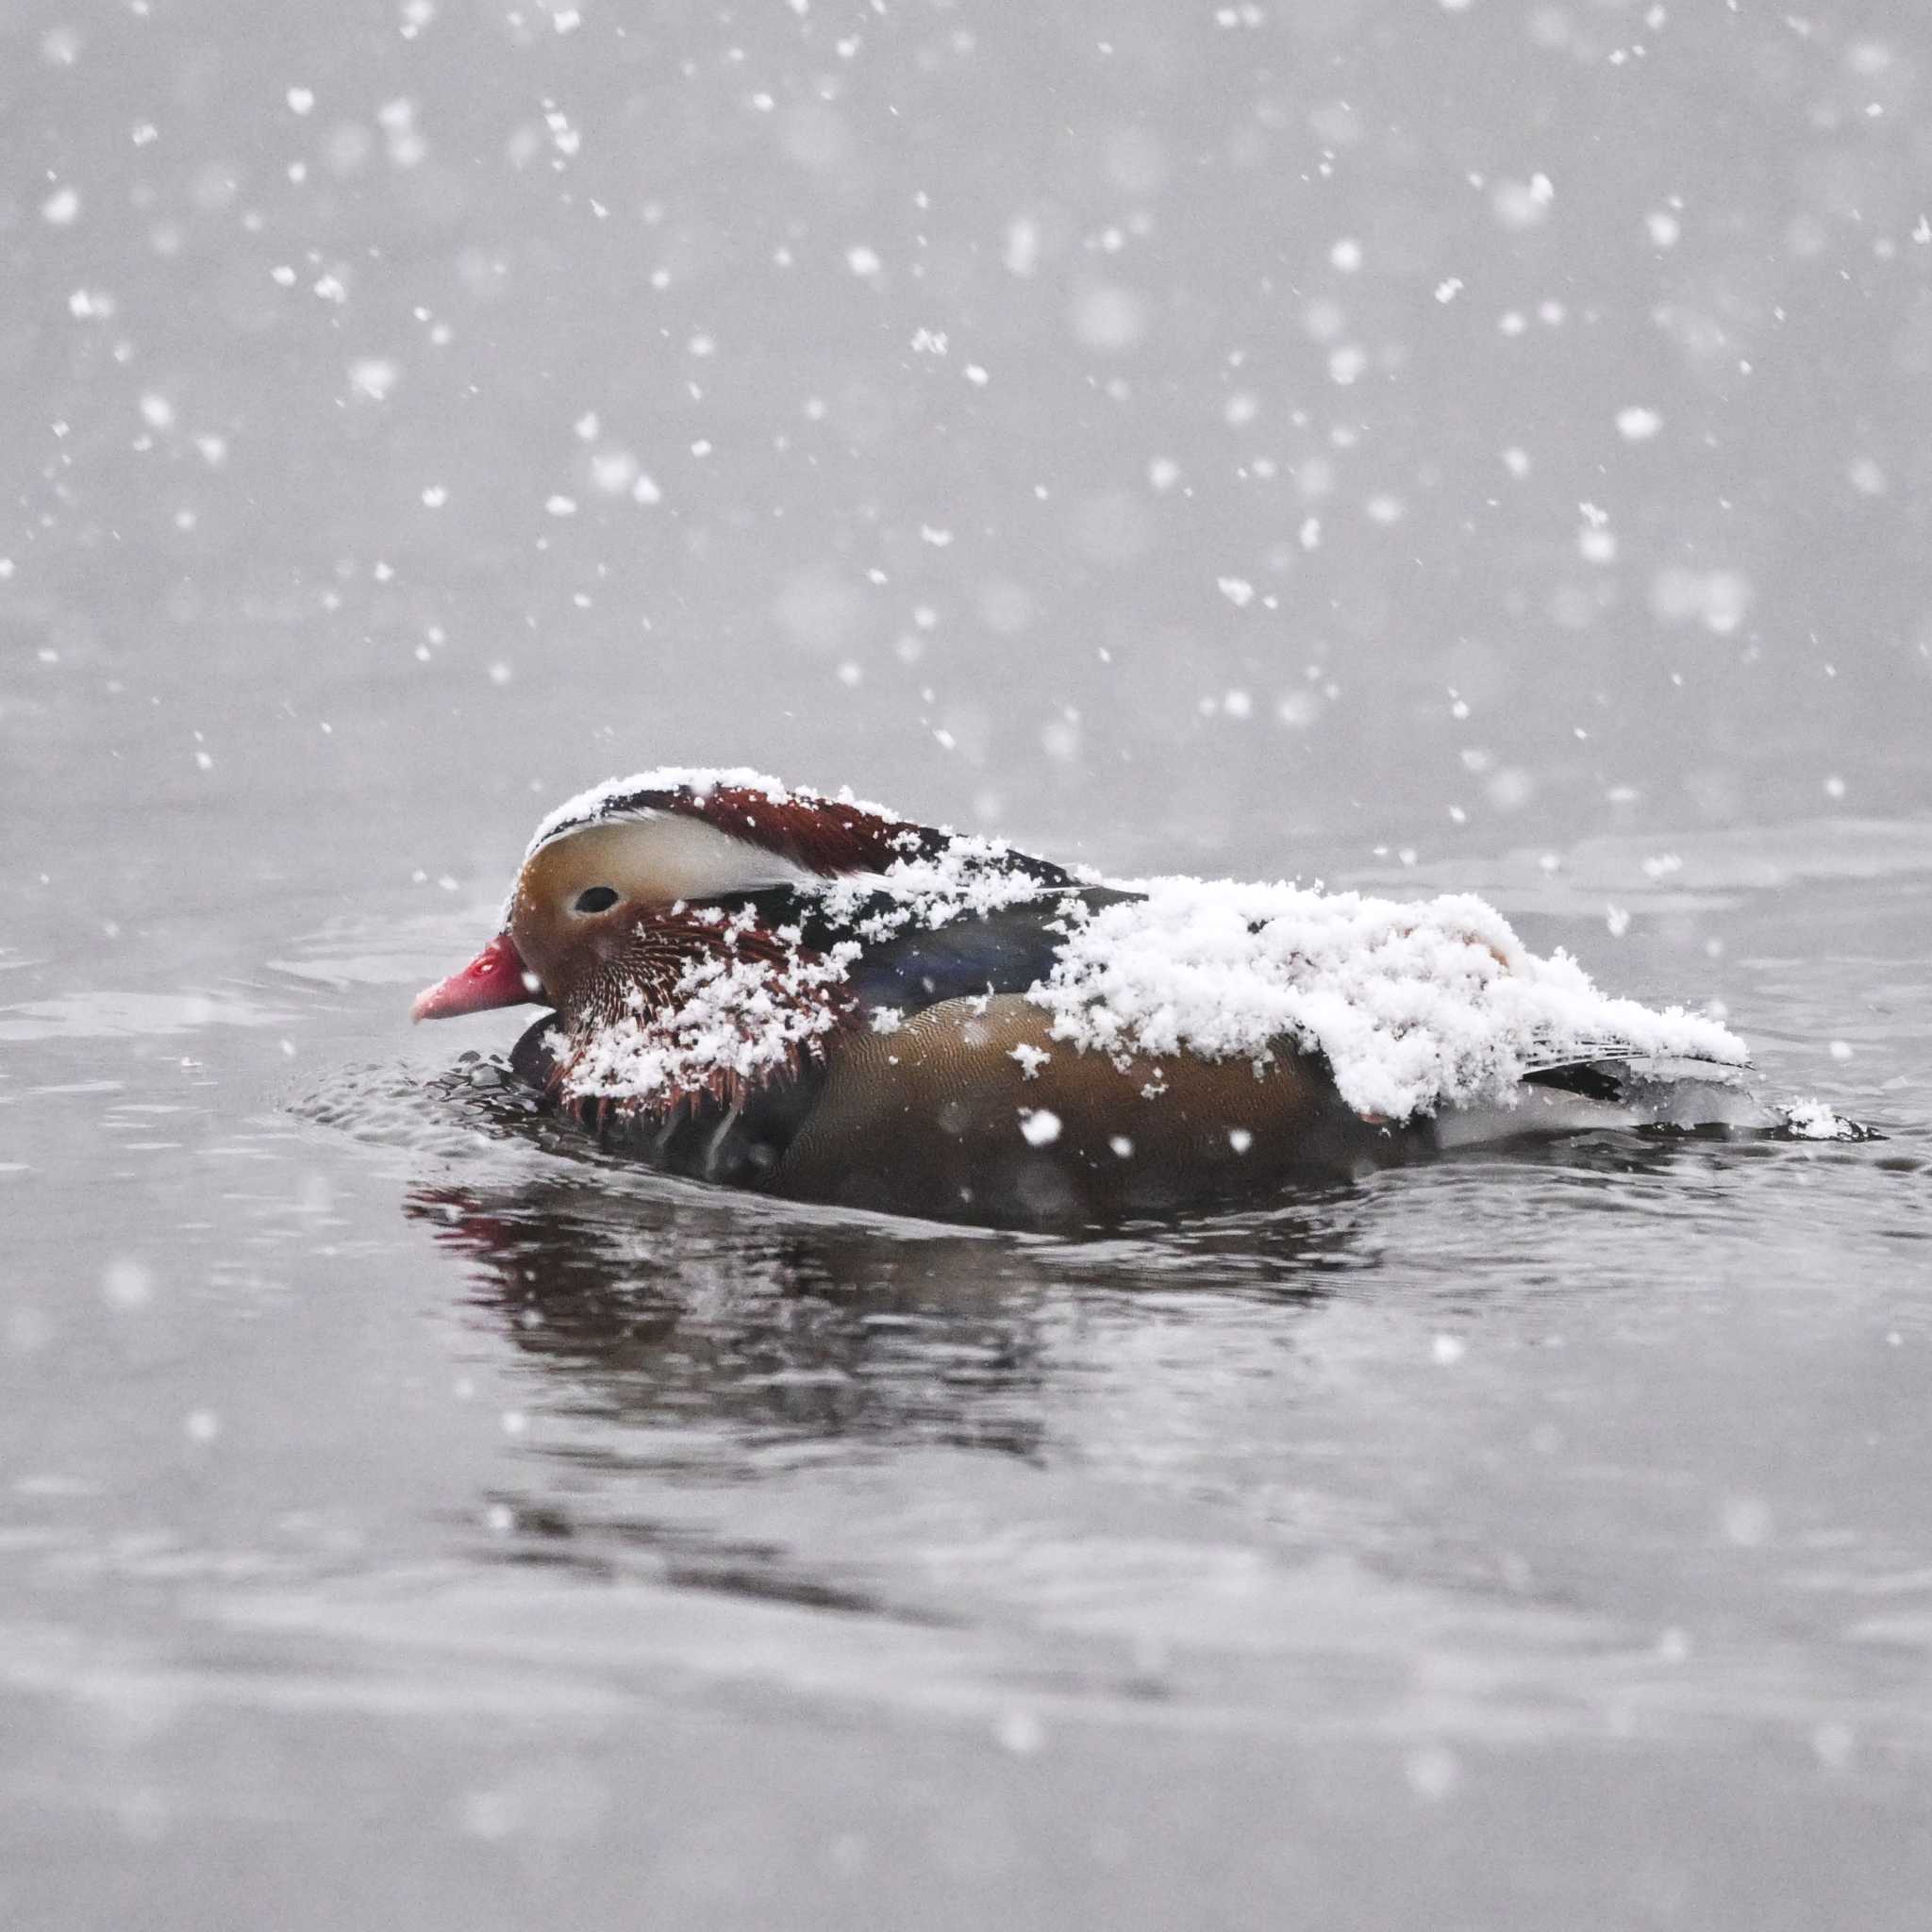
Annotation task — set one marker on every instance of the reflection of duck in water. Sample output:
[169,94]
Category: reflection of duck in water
[656,1316]
[818,999]
[672,1345]
[659,1307]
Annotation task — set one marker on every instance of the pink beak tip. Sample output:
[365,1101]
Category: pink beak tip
[495,977]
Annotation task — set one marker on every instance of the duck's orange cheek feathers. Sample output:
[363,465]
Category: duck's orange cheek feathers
[495,977]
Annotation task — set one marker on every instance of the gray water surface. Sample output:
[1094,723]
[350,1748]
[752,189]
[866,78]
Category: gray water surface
[1417,446]
[406,1511]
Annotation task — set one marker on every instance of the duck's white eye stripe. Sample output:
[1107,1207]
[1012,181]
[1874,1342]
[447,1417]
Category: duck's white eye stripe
[663,855]
[555,834]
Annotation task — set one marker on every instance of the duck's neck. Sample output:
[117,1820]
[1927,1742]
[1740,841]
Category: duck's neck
[704,1009]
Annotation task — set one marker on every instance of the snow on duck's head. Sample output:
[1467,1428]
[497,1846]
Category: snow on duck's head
[822,836]
[628,850]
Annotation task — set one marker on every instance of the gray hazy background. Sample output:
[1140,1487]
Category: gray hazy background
[1144,425]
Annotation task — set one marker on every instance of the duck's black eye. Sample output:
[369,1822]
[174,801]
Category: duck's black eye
[597,899]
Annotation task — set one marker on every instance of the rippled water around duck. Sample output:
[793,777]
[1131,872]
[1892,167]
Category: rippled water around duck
[397,1488]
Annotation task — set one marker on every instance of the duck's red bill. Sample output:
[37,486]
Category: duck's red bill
[495,977]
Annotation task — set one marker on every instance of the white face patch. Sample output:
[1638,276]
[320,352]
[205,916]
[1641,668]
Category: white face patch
[658,858]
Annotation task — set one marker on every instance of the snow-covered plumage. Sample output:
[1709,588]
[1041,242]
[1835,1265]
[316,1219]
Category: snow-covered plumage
[762,983]
[1414,1007]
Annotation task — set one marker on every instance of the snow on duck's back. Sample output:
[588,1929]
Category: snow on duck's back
[1416,1006]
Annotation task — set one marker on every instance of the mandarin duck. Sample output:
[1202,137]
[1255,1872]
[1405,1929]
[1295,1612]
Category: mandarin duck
[759,985]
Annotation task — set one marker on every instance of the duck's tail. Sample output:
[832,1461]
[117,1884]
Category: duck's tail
[1618,1087]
